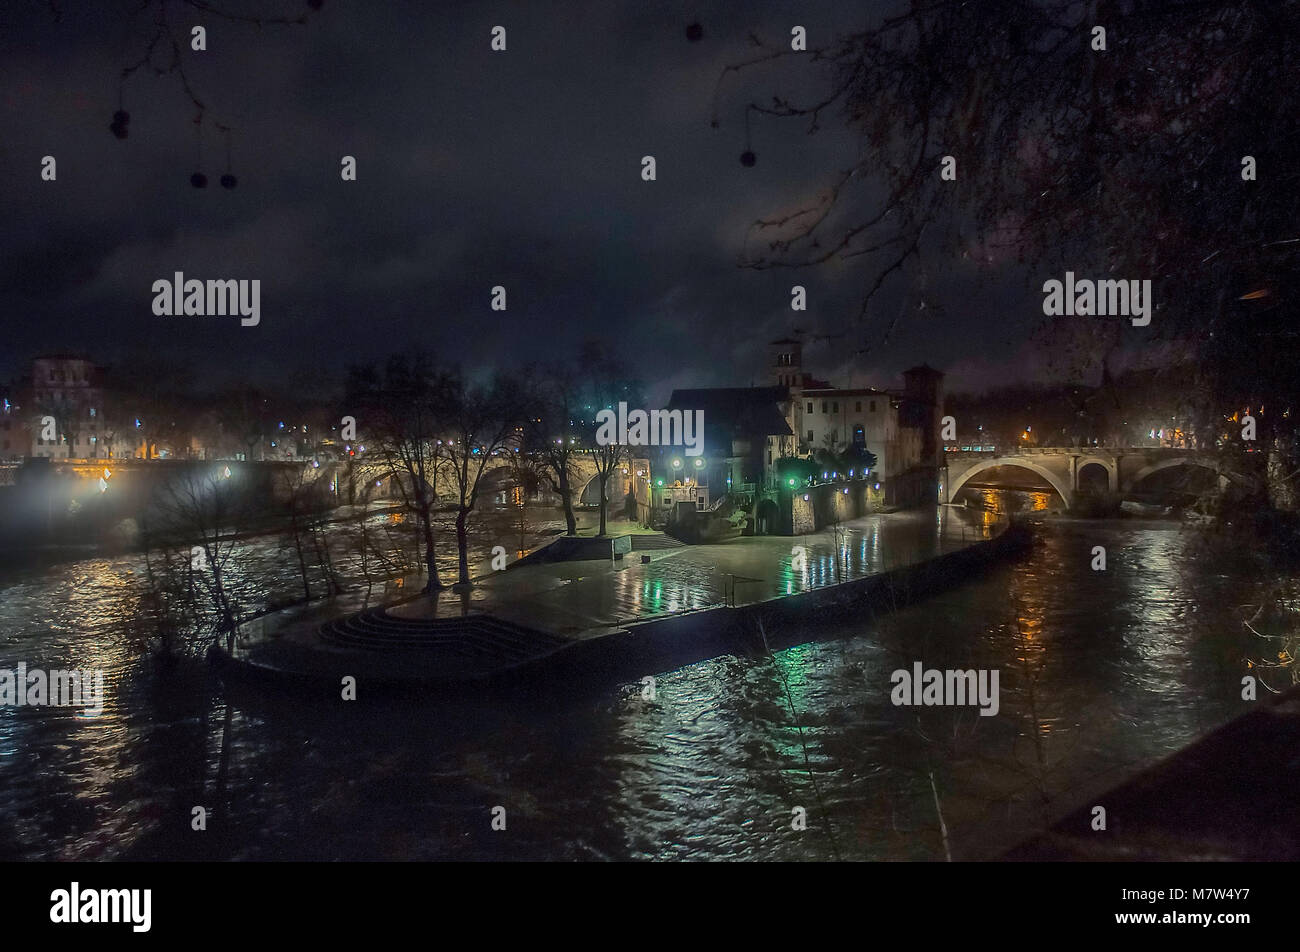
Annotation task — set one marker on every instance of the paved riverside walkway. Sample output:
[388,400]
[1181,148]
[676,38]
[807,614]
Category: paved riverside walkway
[583,598]
[563,602]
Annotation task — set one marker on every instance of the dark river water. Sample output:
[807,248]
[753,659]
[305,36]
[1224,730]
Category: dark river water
[1101,673]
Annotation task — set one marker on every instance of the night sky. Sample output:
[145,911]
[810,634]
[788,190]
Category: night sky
[475,169]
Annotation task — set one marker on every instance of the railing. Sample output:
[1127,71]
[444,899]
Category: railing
[1067,450]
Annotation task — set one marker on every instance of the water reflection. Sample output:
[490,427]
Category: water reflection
[1101,673]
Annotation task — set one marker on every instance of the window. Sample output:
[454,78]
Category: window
[835,407]
[872,408]
[810,406]
[92,411]
[858,407]
[824,406]
[810,436]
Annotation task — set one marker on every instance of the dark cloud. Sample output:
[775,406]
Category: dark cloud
[475,169]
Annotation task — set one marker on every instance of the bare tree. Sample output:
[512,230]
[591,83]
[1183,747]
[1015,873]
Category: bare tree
[403,415]
[1141,139]
[483,423]
[245,417]
[199,510]
[553,435]
[308,511]
[606,384]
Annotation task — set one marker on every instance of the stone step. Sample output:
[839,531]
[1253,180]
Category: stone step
[651,543]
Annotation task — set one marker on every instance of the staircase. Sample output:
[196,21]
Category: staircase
[653,542]
[471,644]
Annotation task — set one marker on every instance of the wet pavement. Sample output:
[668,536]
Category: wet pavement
[591,598]
[579,599]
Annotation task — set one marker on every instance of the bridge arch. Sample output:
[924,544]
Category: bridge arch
[1133,481]
[591,487]
[1112,471]
[1053,480]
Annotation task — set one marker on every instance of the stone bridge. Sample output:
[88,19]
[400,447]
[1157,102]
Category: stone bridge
[1062,467]
[359,480]
[499,476]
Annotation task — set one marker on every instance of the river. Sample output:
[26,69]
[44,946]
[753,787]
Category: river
[1102,672]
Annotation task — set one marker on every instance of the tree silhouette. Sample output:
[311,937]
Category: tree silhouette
[158,49]
[1126,162]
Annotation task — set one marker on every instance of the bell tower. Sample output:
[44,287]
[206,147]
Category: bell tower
[785,360]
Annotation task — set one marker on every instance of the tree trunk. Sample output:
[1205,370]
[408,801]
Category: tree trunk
[604,479]
[1280,470]
[462,544]
[430,553]
[302,562]
[566,497]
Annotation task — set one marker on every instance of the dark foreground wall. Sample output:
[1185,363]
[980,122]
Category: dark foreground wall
[1230,796]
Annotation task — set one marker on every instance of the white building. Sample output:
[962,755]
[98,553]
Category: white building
[898,426]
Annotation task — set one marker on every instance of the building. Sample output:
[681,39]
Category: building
[15,441]
[748,431]
[900,427]
[66,408]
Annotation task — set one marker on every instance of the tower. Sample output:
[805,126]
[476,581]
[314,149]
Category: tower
[785,358]
[922,407]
